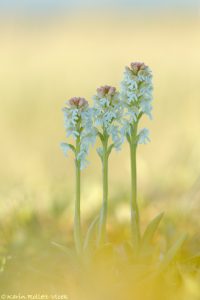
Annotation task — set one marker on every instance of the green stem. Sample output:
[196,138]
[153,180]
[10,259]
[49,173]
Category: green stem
[77,213]
[135,222]
[103,215]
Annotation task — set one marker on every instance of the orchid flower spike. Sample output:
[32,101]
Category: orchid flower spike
[107,113]
[136,96]
[78,124]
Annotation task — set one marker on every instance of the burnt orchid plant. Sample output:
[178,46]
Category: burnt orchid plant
[114,119]
[136,96]
[78,120]
[107,113]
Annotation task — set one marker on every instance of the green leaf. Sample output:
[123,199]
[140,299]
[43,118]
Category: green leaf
[69,252]
[100,152]
[110,149]
[136,239]
[150,231]
[72,147]
[90,234]
[100,136]
[66,147]
[128,138]
[172,252]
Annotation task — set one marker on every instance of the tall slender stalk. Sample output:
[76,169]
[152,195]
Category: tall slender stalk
[136,93]
[77,213]
[104,210]
[106,112]
[135,221]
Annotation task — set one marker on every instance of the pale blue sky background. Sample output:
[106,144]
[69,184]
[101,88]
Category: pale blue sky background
[56,5]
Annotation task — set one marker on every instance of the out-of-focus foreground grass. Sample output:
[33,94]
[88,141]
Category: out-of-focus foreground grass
[44,62]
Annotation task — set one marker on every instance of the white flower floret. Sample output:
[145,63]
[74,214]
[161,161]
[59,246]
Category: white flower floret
[107,113]
[143,136]
[78,123]
[136,93]
[66,147]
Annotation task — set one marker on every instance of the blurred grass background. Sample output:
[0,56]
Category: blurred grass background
[45,61]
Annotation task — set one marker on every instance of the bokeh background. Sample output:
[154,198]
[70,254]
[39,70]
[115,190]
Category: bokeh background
[53,50]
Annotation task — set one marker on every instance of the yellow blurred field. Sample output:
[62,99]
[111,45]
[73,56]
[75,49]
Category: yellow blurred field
[46,61]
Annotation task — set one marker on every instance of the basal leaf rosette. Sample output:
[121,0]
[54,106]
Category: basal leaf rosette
[107,113]
[78,125]
[136,97]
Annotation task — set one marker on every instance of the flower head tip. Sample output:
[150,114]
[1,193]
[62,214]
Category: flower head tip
[137,66]
[106,90]
[77,102]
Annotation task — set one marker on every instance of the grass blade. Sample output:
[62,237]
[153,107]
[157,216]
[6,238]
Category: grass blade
[172,252]
[90,233]
[150,231]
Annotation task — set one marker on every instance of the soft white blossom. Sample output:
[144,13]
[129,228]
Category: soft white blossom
[143,136]
[66,147]
[78,123]
[136,94]
[107,113]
